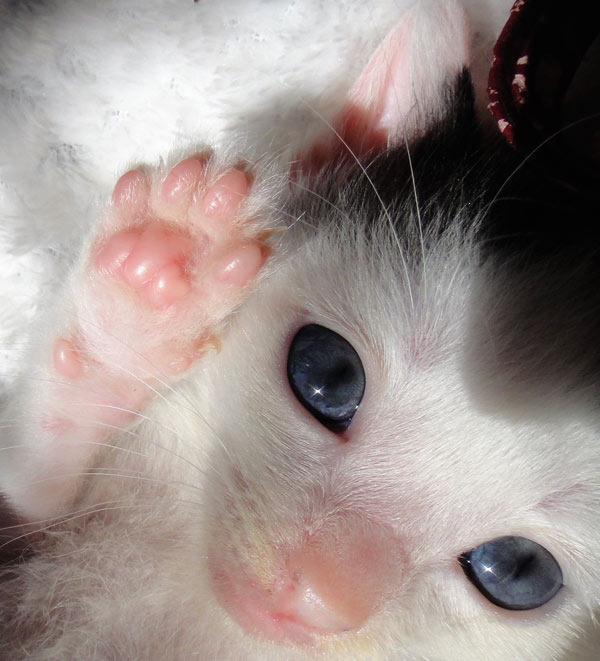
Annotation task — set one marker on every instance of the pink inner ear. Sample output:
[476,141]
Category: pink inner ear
[402,88]
[381,97]
[375,105]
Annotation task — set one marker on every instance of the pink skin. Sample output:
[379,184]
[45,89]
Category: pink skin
[151,261]
[198,252]
[129,196]
[330,585]
[66,359]
[128,187]
[238,265]
[173,258]
[226,194]
[181,180]
[156,259]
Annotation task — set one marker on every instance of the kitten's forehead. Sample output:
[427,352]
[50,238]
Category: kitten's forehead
[427,432]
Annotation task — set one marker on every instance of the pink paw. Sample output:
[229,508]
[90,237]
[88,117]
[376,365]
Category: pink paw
[177,229]
[152,260]
[172,259]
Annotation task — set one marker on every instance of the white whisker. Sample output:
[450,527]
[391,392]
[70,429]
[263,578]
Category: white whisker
[322,198]
[371,183]
[111,471]
[532,153]
[143,416]
[154,374]
[145,440]
[62,517]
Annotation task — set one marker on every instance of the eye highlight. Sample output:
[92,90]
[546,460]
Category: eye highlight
[326,375]
[513,572]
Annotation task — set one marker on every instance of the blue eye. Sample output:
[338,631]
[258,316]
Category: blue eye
[326,375]
[513,572]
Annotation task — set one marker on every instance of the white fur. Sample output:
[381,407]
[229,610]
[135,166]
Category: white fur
[456,441]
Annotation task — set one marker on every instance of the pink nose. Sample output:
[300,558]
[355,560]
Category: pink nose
[333,583]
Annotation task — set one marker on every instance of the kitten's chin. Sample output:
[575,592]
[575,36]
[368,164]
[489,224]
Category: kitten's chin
[332,584]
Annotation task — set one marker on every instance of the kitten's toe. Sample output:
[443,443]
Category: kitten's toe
[179,235]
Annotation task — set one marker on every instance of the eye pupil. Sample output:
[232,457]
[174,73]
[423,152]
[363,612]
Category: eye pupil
[524,567]
[339,376]
[326,375]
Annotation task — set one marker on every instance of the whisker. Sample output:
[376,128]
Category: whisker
[371,183]
[59,382]
[131,506]
[287,214]
[111,471]
[535,150]
[154,374]
[143,416]
[18,446]
[99,423]
[62,517]
[132,432]
[57,521]
[297,184]
[413,182]
[107,505]
[137,414]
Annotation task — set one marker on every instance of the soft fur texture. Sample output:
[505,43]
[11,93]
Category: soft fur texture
[480,414]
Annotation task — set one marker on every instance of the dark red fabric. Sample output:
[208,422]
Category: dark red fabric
[536,59]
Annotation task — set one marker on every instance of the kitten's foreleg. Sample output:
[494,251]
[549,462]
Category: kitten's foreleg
[171,257]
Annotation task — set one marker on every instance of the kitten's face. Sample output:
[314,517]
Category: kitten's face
[438,459]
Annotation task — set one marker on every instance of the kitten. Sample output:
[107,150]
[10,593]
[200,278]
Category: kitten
[319,409]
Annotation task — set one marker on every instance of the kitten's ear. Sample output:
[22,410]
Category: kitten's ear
[405,86]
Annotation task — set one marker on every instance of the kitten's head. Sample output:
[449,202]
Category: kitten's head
[408,465]
[399,431]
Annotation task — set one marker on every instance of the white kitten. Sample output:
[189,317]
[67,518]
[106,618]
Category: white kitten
[313,411]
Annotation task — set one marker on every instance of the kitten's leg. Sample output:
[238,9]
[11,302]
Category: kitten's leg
[171,258]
